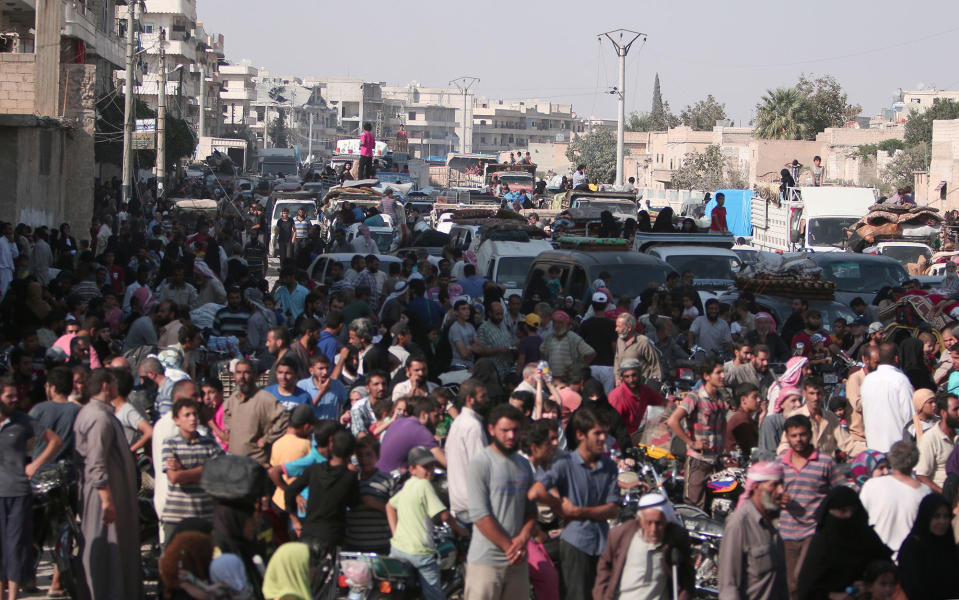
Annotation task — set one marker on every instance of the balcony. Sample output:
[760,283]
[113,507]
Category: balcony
[78,24]
[242,95]
[185,8]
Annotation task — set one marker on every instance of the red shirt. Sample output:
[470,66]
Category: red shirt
[719,219]
[116,278]
[367,143]
[632,407]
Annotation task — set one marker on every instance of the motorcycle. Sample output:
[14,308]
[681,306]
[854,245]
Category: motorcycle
[370,576]
[54,487]
[705,537]
[654,470]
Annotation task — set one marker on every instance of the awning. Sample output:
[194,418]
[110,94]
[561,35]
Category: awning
[939,187]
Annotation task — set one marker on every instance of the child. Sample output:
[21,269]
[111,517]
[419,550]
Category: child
[367,528]
[689,308]
[184,455]
[553,284]
[112,315]
[409,512]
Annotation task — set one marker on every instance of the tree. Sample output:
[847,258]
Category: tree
[596,150]
[826,104]
[657,112]
[108,148]
[278,132]
[919,125]
[899,172]
[703,115]
[708,170]
[659,118]
[781,115]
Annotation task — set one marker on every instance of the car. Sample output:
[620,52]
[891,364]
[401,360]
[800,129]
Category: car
[903,251]
[630,272]
[383,236]
[319,269]
[859,275]
[713,268]
[293,206]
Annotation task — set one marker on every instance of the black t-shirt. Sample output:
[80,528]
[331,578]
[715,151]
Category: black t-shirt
[332,490]
[284,230]
[600,334]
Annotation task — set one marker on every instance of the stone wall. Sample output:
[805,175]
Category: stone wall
[17,84]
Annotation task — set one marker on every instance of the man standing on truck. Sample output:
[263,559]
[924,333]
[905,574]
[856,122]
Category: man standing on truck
[367,144]
[719,215]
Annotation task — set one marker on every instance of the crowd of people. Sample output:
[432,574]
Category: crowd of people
[143,351]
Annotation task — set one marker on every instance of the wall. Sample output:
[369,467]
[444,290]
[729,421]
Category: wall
[944,166]
[17,84]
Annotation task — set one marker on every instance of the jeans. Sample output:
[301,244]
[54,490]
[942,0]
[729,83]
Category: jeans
[428,570]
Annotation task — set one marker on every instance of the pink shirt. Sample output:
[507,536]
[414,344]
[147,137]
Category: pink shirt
[367,143]
[63,343]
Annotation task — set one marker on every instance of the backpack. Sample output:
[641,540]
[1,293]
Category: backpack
[229,477]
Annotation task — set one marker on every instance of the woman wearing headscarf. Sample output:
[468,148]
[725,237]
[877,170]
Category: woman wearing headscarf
[785,181]
[629,229]
[643,223]
[484,371]
[288,574]
[928,562]
[228,578]
[868,464]
[912,362]
[842,546]
[185,559]
[608,227]
[234,532]
[924,419]
[664,221]
[594,397]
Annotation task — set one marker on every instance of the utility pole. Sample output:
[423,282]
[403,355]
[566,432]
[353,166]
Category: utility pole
[202,123]
[309,143]
[618,38]
[128,106]
[464,84]
[161,120]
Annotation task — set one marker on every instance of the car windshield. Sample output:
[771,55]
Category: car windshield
[630,280]
[310,208]
[516,179]
[705,266]
[383,241]
[863,277]
[511,270]
[830,231]
[907,254]
[611,206]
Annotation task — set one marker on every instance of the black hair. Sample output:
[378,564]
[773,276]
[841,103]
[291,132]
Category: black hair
[181,403]
[526,398]
[323,430]
[343,444]
[582,421]
[798,421]
[536,432]
[504,411]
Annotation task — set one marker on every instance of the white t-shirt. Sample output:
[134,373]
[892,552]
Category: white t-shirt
[892,507]
[130,417]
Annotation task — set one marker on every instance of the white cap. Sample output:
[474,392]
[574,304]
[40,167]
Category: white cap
[600,298]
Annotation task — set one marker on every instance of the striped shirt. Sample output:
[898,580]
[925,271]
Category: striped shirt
[187,500]
[705,420]
[367,528]
[807,488]
[302,228]
[566,353]
[227,322]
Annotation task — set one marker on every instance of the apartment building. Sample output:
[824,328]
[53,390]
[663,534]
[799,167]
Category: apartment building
[309,120]
[237,93]
[500,125]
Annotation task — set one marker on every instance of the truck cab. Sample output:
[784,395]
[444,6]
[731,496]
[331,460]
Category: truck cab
[817,219]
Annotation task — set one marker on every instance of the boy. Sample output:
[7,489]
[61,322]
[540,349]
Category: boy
[183,456]
[409,512]
[367,528]
[741,429]
[294,445]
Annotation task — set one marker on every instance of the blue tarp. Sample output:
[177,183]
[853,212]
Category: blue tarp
[738,203]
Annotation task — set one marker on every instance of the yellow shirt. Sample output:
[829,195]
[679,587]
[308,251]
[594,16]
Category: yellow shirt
[287,448]
[416,505]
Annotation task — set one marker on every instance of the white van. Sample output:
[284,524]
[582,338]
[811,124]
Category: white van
[507,263]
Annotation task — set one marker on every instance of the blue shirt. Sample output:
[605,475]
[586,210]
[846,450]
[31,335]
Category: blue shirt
[331,403]
[289,402]
[297,467]
[472,286]
[429,311]
[328,345]
[291,303]
[584,486]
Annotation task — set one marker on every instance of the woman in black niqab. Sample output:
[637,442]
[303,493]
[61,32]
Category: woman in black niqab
[928,562]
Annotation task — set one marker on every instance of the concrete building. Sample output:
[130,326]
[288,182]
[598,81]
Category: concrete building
[310,121]
[940,186]
[921,100]
[47,109]
[237,93]
[433,118]
[500,125]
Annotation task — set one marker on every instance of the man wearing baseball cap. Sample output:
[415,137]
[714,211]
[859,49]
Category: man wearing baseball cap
[599,332]
[527,348]
[563,349]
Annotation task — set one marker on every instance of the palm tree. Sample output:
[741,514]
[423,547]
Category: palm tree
[781,114]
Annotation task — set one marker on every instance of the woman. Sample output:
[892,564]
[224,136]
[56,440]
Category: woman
[785,181]
[608,227]
[484,371]
[765,334]
[689,226]
[66,248]
[912,362]
[927,560]
[924,419]
[868,464]
[594,396]
[234,532]
[843,545]
[642,222]
[288,574]
[664,221]
[629,229]
[185,561]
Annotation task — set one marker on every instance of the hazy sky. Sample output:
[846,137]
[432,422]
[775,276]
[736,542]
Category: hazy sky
[735,50]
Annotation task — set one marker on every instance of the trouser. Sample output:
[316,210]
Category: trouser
[301,253]
[366,167]
[697,471]
[6,278]
[795,556]
[284,249]
[16,536]
[428,570]
[577,572]
[542,572]
[485,582]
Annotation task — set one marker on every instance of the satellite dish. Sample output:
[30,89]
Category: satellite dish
[920,86]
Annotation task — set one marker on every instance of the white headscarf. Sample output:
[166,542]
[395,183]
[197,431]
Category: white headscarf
[659,502]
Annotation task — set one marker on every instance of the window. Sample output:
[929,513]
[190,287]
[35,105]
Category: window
[411,116]
[260,113]
[482,122]
[482,139]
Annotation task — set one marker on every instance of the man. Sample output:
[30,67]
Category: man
[709,331]
[893,501]
[825,425]
[530,377]
[564,350]
[740,369]
[286,390]
[461,335]
[812,326]
[752,557]
[742,433]
[886,401]
[294,445]
[372,278]
[283,230]
[305,346]
[416,383]
[588,496]
[371,357]
[301,234]
[329,344]
[177,290]
[233,318]
[363,243]
[278,344]
[57,414]
[632,344]
[706,426]
[252,418]
[290,296]
[465,440]
[136,426]
[494,340]
[367,146]
[499,478]
[143,331]
[718,222]
[471,283]
[945,366]
[362,417]
[110,521]
[937,443]
[638,559]
[869,356]
[151,370]
[808,476]
[8,253]
[326,395]
[405,433]
[579,178]
[16,496]
[631,398]
[600,332]
[795,321]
